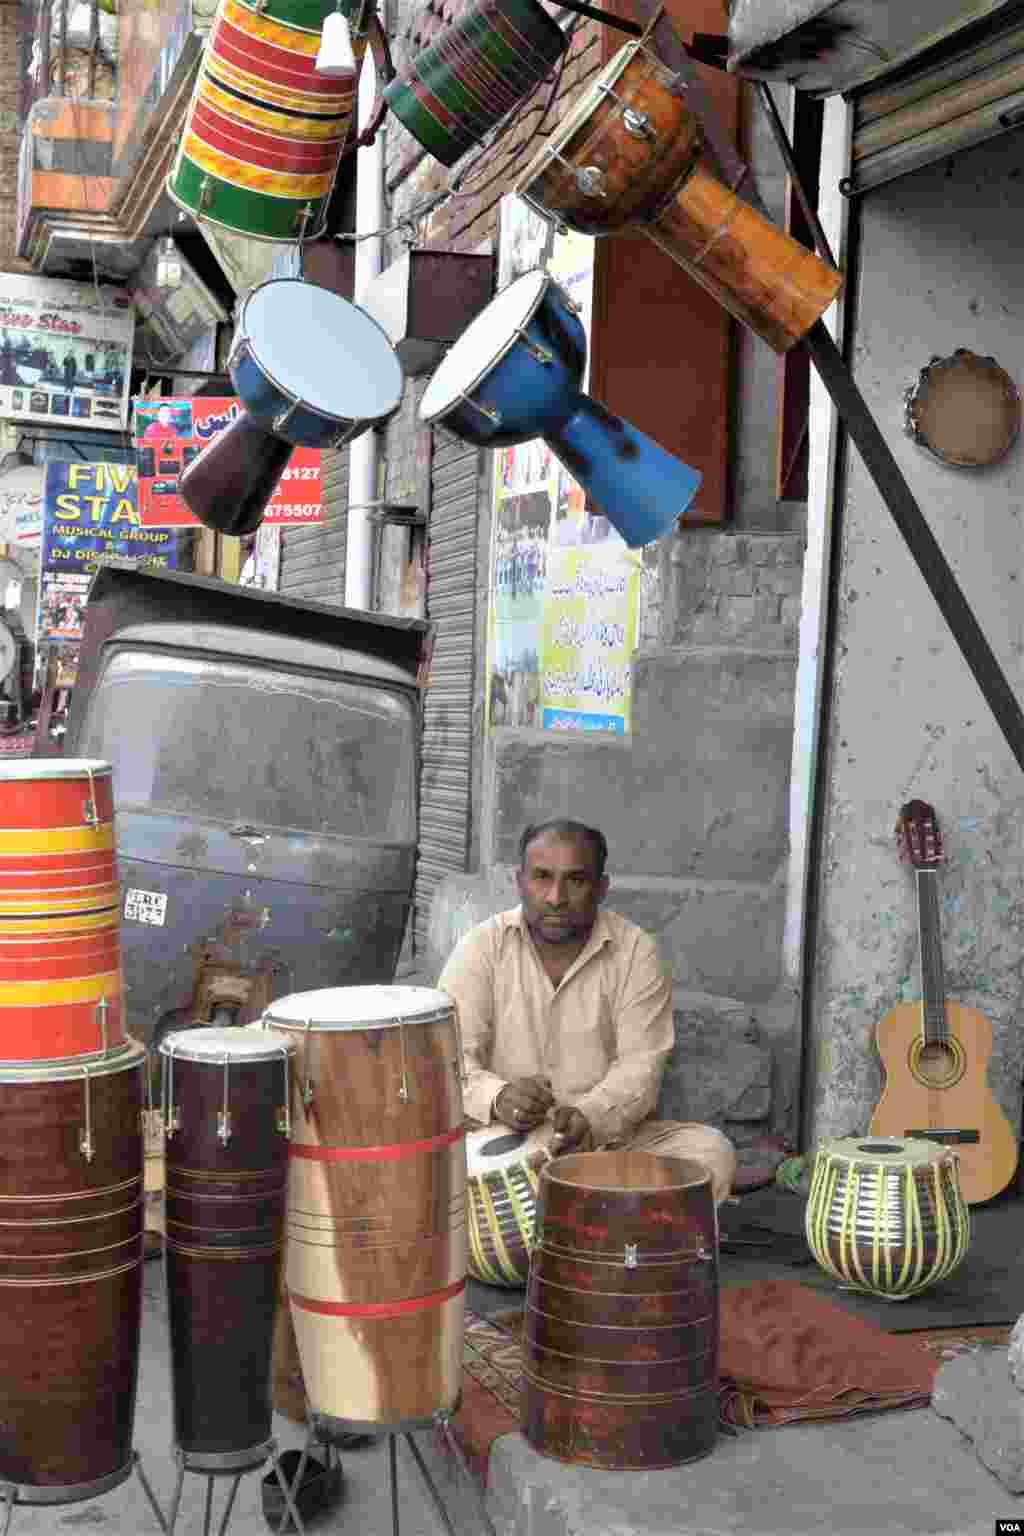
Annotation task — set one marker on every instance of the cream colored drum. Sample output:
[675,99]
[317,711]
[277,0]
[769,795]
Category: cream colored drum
[886,1215]
[375,1262]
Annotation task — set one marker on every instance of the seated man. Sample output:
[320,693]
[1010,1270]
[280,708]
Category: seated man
[566,1012]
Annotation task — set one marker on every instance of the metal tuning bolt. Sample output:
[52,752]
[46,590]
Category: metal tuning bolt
[483,410]
[281,419]
[540,354]
[283,1118]
[305,213]
[591,181]
[630,1260]
[224,1117]
[403,1088]
[102,1009]
[638,124]
[307,1081]
[172,1116]
[205,193]
[460,1065]
[89,813]
[85,1141]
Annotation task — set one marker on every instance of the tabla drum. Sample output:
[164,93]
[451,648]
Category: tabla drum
[61,985]
[887,1216]
[481,67]
[226,1104]
[620,1344]
[376,1247]
[502,1171]
[515,373]
[70,1273]
[263,137]
[630,153]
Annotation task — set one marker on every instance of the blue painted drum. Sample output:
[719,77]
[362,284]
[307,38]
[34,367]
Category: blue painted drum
[311,368]
[515,373]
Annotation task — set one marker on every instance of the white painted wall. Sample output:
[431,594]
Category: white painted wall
[940,268]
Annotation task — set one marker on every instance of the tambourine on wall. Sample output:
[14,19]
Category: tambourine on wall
[964,410]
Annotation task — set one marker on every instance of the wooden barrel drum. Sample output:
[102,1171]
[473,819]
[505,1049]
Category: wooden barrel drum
[70,1273]
[620,1351]
[226,1106]
[376,1250]
[60,922]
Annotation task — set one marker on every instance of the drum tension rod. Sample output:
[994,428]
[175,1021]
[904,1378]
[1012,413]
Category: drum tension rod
[618,22]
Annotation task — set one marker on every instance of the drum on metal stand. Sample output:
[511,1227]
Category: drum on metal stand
[310,369]
[376,1250]
[70,1273]
[620,1347]
[630,153]
[515,373]
[60,922]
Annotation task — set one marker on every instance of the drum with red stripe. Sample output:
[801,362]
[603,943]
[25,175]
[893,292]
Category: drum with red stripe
[376,1249]
[264,132]
[60,920]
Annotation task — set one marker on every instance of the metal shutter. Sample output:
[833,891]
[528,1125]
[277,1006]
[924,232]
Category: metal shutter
[313,559]
[448,705]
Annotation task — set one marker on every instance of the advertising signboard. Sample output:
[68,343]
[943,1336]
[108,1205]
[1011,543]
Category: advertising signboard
[65,352]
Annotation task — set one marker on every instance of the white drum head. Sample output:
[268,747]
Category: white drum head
[496,1147]
[219,1045]
[55,768]
[336,1009]
[582,108]
[483,343]
[322,350]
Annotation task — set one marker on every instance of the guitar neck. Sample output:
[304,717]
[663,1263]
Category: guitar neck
[933,981]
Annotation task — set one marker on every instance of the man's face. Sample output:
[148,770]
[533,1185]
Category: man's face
[559,889]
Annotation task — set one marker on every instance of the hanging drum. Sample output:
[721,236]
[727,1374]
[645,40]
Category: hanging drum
[515,373]
[264,133]
[620,1345]
[376,1250]
[451,94]
[630,153]
[887,1216]
[310,369]
[226,1106]
[60,918]
[70,1273]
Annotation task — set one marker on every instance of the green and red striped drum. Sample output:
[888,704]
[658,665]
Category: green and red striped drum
[479,69]
[60,919]
[264,133]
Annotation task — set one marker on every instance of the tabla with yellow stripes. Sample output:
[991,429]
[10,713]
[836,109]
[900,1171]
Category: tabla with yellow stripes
[226,1116]
[503,1169]
[260,148]
[61,985]
[70,1273]
[376,1248]
[886,1215]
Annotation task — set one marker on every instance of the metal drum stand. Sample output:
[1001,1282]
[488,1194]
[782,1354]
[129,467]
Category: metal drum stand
[21,1493]
[325,1430]
[233,1464]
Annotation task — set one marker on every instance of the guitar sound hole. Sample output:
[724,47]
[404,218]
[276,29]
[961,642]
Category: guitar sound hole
[938,1065]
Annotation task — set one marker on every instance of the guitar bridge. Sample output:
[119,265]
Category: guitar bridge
[948,1138]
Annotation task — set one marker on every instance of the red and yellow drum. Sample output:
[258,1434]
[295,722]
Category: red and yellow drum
[60,920]
[264,132]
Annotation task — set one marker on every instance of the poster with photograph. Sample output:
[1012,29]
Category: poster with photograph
[90,515]
[65,352]
[169,434]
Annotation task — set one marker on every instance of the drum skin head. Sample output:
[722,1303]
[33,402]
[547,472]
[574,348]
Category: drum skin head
[320,349]
[334,1009]
[218,1045]
[483,343]
[965,410]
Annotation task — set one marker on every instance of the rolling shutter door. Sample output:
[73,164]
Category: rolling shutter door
[448,705]
[313,559]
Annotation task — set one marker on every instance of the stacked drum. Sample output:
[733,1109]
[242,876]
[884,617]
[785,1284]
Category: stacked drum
[70,1141]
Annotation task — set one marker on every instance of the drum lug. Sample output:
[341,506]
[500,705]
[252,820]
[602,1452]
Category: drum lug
[102,1009]
[281,419]
[630,1260]
[223,1127]
[85,1142]
[591,181]
[541,354]
[89,815]
[205,193]
[483,410]
[638,124]
[304,215]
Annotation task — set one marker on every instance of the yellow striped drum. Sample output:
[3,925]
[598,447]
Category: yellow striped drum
[887,1216]
[60,922]
[264,133]
[503,1174]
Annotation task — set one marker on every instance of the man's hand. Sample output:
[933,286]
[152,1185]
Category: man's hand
[523,1104]
[572,1131]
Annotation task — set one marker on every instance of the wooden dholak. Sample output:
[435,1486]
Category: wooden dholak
[70,1272]
[60,912]
[225,1105]
[376,1248]
[620,1350]
[631,154]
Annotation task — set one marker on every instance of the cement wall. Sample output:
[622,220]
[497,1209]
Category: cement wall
[938,270]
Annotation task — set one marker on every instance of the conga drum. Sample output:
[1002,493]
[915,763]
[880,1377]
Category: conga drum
[60,920]
[226,1096]
[70,1273]
[620,1348]
[376,1249]
[887,1215]
[631,153]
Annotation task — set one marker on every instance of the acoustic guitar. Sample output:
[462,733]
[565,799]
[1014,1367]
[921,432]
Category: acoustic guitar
[935,1053]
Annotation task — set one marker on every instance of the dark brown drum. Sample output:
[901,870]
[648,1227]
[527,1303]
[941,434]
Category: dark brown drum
[620,1353]
[225,1097]
[70,1273]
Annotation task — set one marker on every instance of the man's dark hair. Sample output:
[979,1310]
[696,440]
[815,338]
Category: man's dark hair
[568,831]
